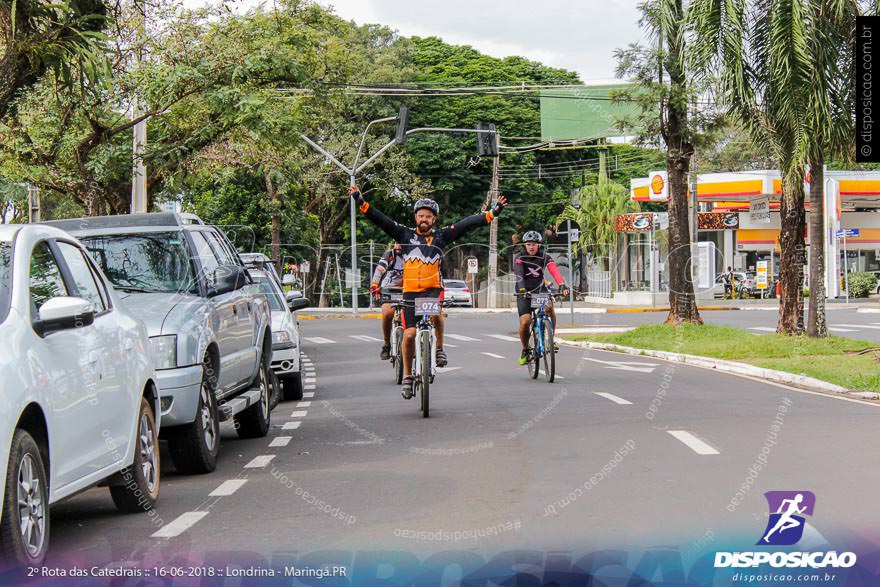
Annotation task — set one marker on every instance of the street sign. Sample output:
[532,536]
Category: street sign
[575,234]
[661,220]
[472,265]
[761,275]
[848,233]
[759,210]
[305,267]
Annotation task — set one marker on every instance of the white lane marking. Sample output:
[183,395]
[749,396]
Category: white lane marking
[541,371]
[179,525]
[614,398]
[310,380]
[493,355]
[693,443]
[636,366]
[308,395]
[307,362]
[860,326]
[311,386]
[228,487]
[291,425]
[452,346]
[304,405]
[280,441]
[837,329]
[365,338]
[299,414]
[461,337]
[762,328]
[320,340]
[504,337]
[259,462]
[446,369]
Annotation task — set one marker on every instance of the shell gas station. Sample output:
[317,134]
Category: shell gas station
[739,226]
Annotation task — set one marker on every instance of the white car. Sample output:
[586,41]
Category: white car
[457,292]
[285,334]
[79,400]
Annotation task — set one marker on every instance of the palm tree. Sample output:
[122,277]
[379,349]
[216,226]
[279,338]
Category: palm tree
[599,205]
[765,54]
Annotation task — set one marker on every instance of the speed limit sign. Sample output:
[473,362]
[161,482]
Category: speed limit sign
[472,265]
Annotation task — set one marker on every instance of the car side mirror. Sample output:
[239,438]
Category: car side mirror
[228,278]
[293,294]
[63,313]
[298,304]
[288,280]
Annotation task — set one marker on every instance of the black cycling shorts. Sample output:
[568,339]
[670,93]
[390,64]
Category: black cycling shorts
[524,303]
[409,309]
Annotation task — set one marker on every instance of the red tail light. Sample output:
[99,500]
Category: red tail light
[467,291]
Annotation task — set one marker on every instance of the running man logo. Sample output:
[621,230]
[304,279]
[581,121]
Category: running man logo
[787,510]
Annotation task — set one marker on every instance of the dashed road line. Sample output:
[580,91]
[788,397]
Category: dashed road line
[304,405]
[365,338]
[692,442]
[179,525]
[228,487]
[291,425]
[320,340]
[299,414]
[310,386]
[461,337]
[868,326]
[309,395]
[504,337]
[541,371]
[614,398]
[259,462]
[280,441]
[310,380]
[493,355]
[838,329]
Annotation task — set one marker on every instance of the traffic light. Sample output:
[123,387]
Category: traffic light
[487,142]
[402,119]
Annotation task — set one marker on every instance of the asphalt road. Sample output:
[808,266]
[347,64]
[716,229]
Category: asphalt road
[619,452]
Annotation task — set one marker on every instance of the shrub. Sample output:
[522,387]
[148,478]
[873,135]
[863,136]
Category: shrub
[861,284]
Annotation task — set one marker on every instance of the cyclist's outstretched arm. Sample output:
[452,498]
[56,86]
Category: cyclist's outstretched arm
[450,233]
[388,226]
[553,269]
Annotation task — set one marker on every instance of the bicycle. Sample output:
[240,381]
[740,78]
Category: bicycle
[424,366]
[394,296]
[543,346]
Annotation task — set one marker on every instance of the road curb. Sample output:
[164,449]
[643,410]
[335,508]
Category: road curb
[666,309]
[732,367]
[868,311]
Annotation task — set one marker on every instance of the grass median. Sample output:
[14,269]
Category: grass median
[820,358]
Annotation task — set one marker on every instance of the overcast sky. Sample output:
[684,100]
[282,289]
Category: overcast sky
[579,35]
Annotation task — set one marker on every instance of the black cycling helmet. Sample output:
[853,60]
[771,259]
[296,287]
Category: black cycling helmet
[532,236]
[427,203]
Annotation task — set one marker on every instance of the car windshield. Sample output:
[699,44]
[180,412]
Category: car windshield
[456,284]
[5,277]
[276,302]
[153,262]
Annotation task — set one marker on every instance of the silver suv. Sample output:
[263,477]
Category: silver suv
[209,325]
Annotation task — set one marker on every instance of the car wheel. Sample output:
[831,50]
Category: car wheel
[293,386]
[194,447]
[139,487]
[275,396]
[24,529]
[254,421]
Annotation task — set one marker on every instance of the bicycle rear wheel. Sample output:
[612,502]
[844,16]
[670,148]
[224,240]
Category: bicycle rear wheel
[535,357]
[549,351]
[425,375]
[397,359]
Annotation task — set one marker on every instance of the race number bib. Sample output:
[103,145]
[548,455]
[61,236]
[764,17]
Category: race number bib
[539,300]
[427,307]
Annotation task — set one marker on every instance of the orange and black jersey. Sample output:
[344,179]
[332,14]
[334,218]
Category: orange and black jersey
[423,253]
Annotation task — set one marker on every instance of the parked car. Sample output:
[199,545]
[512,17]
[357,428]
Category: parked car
[80,402]
[209,325]
[261,262]
[717,289]
[457,292]
[285,335]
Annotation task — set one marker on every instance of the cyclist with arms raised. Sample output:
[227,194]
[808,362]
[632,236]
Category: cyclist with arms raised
[388,273]
[528,266]
[422,249]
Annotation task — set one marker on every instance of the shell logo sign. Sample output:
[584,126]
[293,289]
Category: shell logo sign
[659,187]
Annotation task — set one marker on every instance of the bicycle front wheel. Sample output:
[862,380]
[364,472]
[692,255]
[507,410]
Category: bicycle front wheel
[535,357]
[549,351]
[397,359]
[425,375]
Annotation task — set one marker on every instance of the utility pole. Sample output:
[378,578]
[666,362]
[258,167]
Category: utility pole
[139,170]
[33,193]
[492,292]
